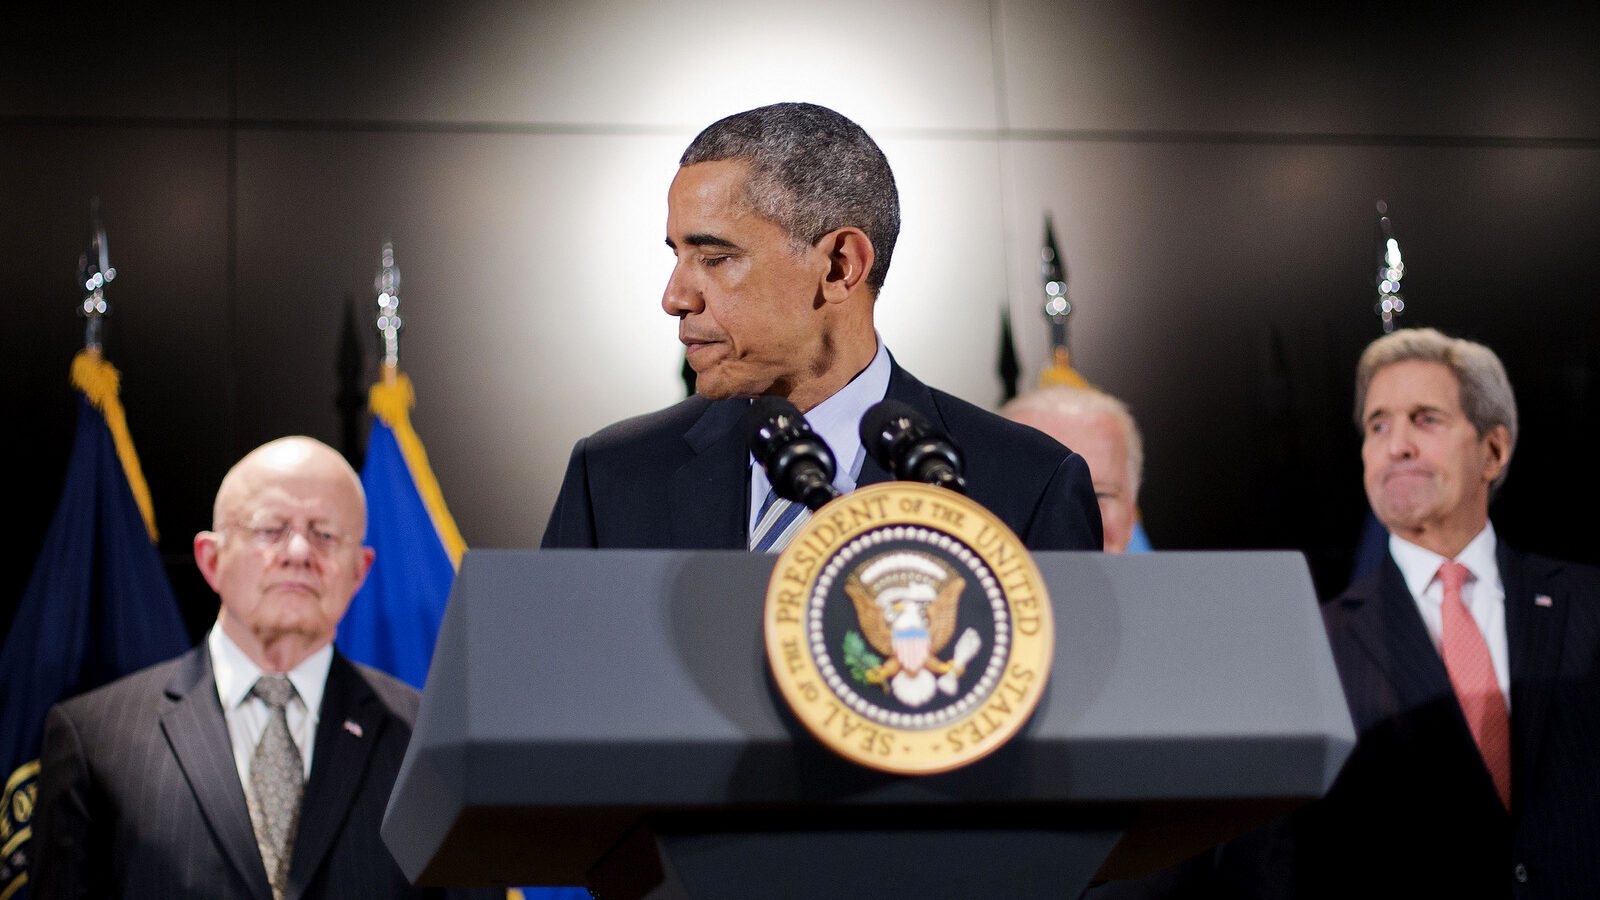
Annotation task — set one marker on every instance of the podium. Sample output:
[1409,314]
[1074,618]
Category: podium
[608,718]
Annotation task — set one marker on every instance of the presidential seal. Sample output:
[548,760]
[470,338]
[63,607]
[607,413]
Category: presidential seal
[908,628]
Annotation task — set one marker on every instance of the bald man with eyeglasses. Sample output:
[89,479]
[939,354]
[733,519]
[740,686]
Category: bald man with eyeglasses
[259,764]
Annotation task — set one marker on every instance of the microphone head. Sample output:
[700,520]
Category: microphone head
[908,446]
[887,428]
[771,424]
[798,462]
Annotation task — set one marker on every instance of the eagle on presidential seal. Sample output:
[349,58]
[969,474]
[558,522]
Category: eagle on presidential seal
[906,602]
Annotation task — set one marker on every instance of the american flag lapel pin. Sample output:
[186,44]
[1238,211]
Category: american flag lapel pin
[351,726]
[1543,600]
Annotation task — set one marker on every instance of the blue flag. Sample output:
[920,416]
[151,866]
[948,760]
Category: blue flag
[394,618]
[97,606]
[393,621]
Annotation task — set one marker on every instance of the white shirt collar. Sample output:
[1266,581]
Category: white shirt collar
[1419,565]
[837,420]
[236,673]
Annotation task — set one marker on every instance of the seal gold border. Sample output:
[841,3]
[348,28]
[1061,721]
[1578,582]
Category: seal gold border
[803,572]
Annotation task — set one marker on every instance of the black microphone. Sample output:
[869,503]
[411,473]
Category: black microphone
[907,445]
[798,462]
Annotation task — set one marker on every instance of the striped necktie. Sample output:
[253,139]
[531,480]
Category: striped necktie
[1466,658]
[777,523]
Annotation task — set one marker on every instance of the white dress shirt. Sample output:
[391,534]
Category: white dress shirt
[837,420]
[1484,594]
[247,715]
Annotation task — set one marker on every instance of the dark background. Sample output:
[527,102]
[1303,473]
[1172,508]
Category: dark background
[1212,172]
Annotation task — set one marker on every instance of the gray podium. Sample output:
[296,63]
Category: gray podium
[607,718]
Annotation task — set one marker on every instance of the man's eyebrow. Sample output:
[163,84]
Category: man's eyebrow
[704,240]
[1419,408]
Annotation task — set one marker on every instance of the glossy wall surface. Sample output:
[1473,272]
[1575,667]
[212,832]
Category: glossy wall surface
[1212,175]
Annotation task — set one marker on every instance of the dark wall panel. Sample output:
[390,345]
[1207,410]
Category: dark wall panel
[1364,68]
[1212,173]
[1225,291]
[116,60]
[522,330]
[164,201]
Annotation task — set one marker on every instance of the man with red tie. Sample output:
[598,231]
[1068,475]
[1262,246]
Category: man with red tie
[1472,670]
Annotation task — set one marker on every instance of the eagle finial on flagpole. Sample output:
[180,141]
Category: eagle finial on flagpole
[387,284]
[1390,270]
[94,273]
[1053,272]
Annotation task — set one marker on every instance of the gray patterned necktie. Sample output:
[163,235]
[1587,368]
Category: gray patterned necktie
[277,778]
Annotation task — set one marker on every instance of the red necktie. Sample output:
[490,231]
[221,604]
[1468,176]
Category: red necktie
[1466,658]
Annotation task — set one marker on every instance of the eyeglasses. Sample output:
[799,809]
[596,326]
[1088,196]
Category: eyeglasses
[277,535]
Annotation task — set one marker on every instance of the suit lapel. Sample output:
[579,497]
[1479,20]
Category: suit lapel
[1533,637]
[710,492]
[872,473]
[1389,628]
[337,766]
[198,734]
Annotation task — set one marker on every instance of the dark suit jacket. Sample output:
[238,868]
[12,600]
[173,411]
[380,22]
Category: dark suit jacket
[1414,812]
[678,478]
[139,795]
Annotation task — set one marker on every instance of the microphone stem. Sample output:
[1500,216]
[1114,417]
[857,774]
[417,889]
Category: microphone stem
[815,491]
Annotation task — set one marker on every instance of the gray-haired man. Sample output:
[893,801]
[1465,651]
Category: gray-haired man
[1472,670]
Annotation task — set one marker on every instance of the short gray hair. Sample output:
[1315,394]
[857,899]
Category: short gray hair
[811,171]
[1486,396]
[1065,400]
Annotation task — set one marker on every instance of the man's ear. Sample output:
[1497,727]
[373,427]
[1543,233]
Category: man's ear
[1498,443]
[368,554]
[850,257]
[205,555]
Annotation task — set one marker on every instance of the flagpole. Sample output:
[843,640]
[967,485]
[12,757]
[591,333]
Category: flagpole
[387,284]
[96,377]
[1390,270]
[1053,272]
[94,274]
[392,399]
[1373,544]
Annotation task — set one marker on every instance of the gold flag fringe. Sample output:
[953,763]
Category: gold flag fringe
[100,381]
[391,400]
[1061,372]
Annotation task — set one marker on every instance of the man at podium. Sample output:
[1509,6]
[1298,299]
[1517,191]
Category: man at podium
[783,220]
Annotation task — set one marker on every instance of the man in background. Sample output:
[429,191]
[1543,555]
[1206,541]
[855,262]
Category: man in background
[1098,427]
[1472,670]
[258,764]
[782,220]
